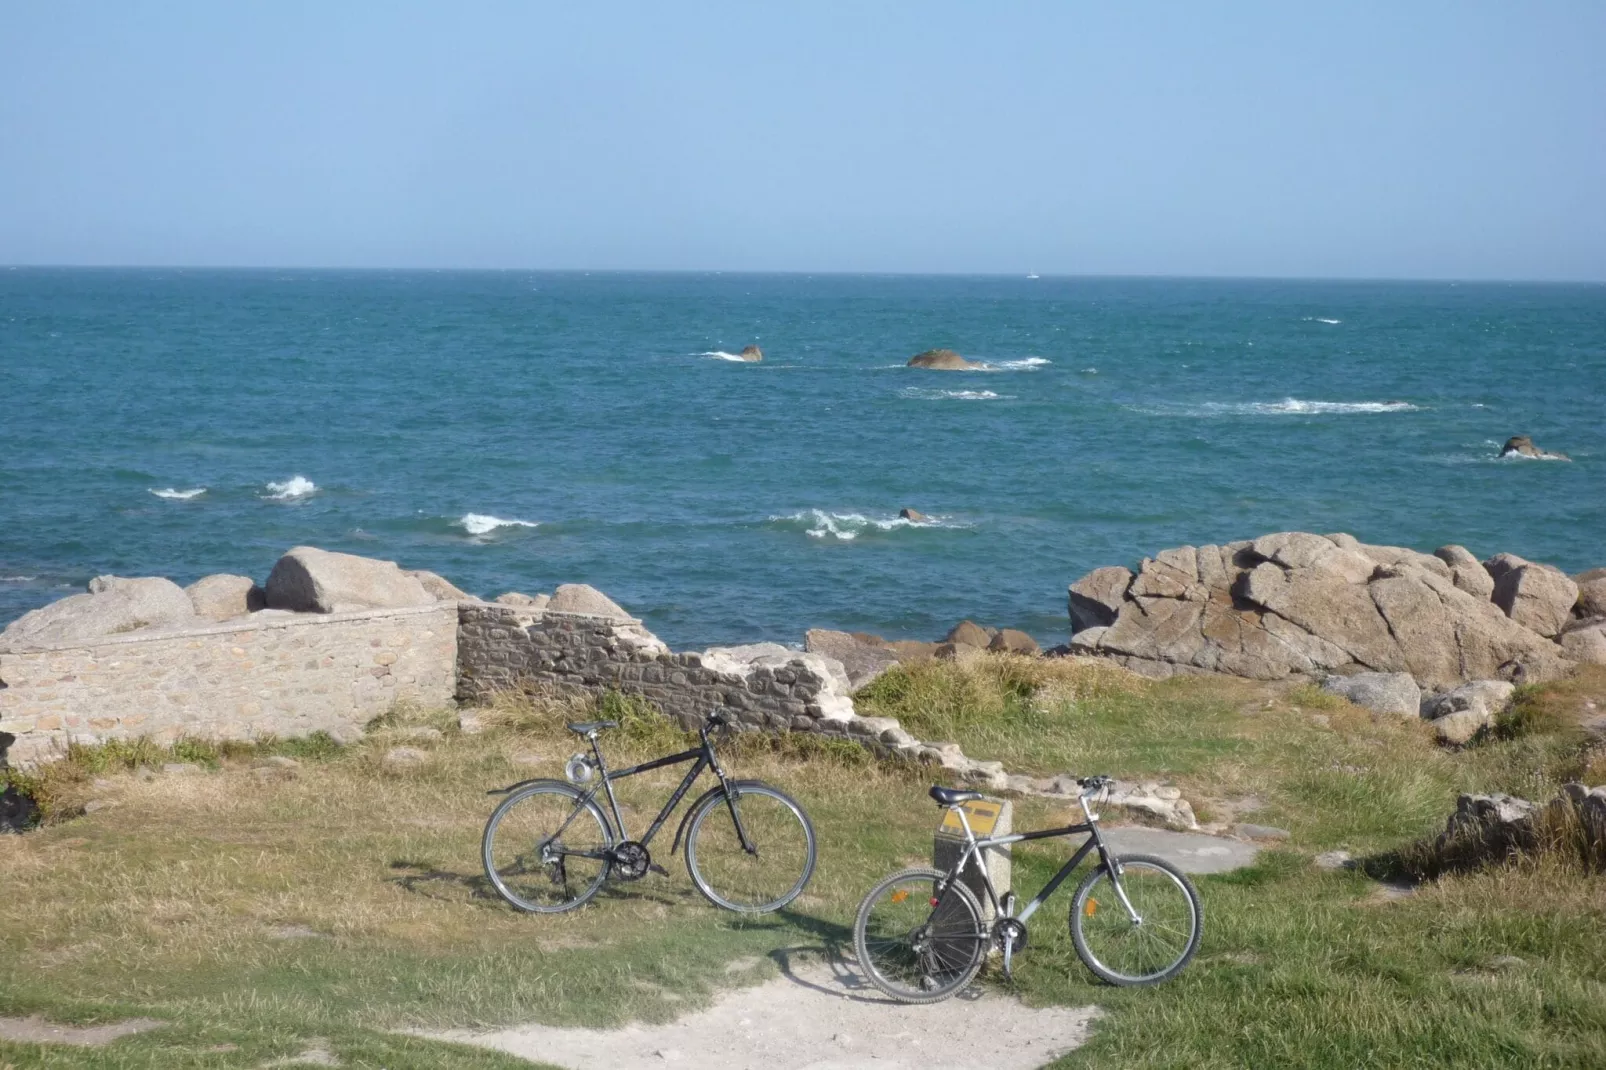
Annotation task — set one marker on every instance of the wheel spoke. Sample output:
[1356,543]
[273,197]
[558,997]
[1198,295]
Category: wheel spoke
[535,866]
[765,878]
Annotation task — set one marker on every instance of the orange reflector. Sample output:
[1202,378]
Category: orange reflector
[900,895]
[1091,908]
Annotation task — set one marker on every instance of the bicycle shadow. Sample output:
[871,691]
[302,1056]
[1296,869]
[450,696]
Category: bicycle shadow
[432,882]
[835,957]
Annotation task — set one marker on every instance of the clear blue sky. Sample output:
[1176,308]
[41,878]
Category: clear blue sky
[1391,139]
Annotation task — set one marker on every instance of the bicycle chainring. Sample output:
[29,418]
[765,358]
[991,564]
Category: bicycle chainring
[1010,933]
[631,861]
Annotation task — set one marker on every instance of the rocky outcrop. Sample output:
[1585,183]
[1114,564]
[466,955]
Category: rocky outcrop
[862,659]
[1466,571]
[1294,603]
[914,516]
[1497,827]
[1538,597]
[224,597]
[1460,714]
[1011,641]
[1585,641]
[1591,593]
[579,598]
[310,580]
[969,633]
[1393,693]
[114,605]
[751,354]
[439,588]
[514,598]
[944,360]
[1523,446]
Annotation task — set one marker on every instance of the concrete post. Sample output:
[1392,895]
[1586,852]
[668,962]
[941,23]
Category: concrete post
[987,817]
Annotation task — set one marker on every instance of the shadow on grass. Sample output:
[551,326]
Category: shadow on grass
[431,882]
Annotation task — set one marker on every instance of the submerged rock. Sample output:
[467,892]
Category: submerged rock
[914,515]
[1523,446]
[943,360]
[751,354]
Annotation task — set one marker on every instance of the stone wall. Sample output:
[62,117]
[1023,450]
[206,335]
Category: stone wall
[285,676]
[513,648]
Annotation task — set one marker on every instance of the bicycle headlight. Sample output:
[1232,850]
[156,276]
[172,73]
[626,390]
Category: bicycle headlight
[577,770]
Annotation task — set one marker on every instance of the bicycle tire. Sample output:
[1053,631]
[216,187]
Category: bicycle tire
[1160,898]
[965,935]
[775,823]
[499,873]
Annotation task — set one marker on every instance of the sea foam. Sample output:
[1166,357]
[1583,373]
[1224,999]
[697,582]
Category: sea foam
[291,489]
[819,524]
[918,393]
[720,354]
[484,524]
[178,495]
[1285,407]
[1025,364]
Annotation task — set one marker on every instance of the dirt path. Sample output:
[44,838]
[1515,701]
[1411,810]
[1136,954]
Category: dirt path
[816,1016]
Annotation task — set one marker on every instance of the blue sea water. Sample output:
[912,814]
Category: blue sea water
[517,430]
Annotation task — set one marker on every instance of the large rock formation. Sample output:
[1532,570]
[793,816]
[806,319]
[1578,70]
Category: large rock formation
[751,354]
[224,597]
[1538,597]
[1523,446]
[943,360]
[1393,693]
[1296,603]
[310,580]
[439,587]
[863,658]
[580,598]
[113,606]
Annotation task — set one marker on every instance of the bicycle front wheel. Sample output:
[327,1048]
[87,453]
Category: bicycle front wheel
[915,942]
[1154,947]
[771,874]
[545,848]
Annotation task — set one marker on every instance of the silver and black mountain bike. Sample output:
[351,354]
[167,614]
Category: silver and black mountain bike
[549,846]
[921,935]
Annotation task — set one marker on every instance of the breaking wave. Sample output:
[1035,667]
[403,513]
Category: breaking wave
[819,524]
[1321,319]
[1286,407]
[291,489]
[720,354]
[484,524]
[178,495]
[918,393]
[1024,364]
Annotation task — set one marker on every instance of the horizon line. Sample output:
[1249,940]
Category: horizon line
[1157,277]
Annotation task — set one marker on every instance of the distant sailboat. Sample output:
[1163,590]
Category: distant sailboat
[1033,275]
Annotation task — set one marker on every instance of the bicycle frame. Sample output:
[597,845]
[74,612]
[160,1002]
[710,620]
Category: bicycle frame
[1095,841]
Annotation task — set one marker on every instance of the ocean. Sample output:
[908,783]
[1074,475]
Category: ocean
[515,430]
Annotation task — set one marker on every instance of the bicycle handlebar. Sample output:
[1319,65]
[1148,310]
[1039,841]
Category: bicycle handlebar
[1091,785]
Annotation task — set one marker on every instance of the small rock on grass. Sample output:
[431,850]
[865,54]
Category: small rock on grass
[403,757]
[1260,832]
[1334,860]
[470,724]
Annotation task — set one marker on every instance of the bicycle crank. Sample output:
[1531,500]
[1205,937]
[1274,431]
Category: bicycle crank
[1010,936]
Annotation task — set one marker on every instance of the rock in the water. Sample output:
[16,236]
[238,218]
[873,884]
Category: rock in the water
[943,360]
[1010,641]
[1523,446]
[862,661]
[1096,598]
[1392,693]
[1466,571]
[224,597]
[914,515]
[524,601]
[113,606]
[1295,603]
[751,354]
[441,589]
[1591,593]
[310,580]
[580,598]
[1460,714]
[969,633]
[1538,597]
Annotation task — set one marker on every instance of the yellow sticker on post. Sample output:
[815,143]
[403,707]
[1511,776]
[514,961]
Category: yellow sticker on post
[981,813]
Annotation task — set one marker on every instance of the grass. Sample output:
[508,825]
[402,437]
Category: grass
[259,909]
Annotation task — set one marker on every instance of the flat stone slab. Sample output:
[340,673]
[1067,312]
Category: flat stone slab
[36,1030]
[1191,852]
[820,1017]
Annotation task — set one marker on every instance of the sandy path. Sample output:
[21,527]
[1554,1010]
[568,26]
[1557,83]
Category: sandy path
[818,1017]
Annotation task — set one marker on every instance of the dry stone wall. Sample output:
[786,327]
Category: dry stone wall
[285,676]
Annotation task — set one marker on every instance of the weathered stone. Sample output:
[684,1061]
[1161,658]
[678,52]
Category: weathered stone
[862,661]
[1523,446]
[968,633]
[524,601]
[1260,832]
[1462,713]
[1591,593]
[1500,564]
[751,354]
[441,589]
[914,516]
[1466,571]
[113,606]
[404,757]
[1393,693]
[1302,550]
[1097,598]
[1585,641]
[580,598]
[1538,597]
[1010,641]
[224,597]
[945,360]
[310,580]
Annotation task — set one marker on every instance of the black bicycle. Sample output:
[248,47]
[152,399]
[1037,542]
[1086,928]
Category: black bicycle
[549,846]
[921,935]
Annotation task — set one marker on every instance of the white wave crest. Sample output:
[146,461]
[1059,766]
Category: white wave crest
[17,579]
[1286,407]
[1321,319]
[178,495]
[720,354]
[291,489]
[484,524]
[1024,364]
[819,524]
[917,393]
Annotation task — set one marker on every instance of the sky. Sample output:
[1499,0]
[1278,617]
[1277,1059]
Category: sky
[1404,139]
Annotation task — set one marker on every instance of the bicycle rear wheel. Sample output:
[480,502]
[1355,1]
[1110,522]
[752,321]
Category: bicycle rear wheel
[750,882]
[544,848]
[915,943]
[1159,944]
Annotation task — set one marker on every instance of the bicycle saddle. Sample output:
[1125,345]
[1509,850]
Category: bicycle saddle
[585,728]
[952,796]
